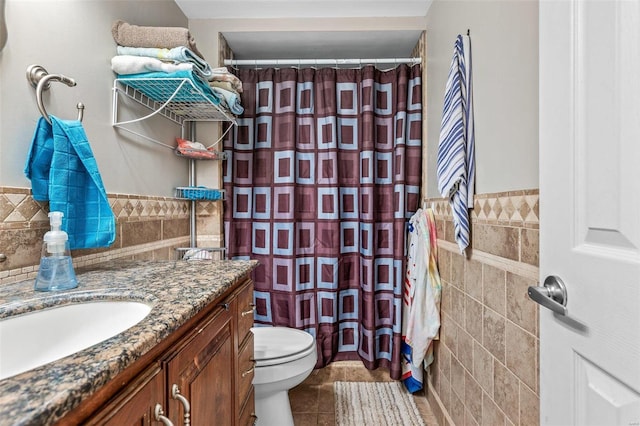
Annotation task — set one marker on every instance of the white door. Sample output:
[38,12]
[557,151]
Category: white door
[590,210]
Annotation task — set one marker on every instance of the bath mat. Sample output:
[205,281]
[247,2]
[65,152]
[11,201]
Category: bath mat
[375,404]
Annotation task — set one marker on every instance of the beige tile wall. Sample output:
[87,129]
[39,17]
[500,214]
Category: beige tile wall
[147,228]
[486,368]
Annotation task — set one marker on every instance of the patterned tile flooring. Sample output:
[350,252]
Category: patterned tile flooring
[312,402]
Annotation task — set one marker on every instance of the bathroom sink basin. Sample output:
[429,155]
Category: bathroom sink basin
[36,338]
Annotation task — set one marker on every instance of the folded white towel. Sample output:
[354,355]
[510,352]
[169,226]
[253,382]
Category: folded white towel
[127,64]
[176,54]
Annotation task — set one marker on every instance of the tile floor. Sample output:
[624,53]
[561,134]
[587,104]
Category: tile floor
[312,402]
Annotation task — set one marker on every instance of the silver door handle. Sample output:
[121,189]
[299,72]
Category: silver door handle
[158,415]
[175,394]
[552,295]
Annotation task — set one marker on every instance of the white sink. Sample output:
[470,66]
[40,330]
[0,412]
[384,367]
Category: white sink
[30,340]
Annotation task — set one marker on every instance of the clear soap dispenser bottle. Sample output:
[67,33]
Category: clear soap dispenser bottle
[56,269]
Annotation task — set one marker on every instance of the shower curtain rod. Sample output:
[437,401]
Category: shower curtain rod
[256,62]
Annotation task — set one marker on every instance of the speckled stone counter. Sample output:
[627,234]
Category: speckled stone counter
[176,291]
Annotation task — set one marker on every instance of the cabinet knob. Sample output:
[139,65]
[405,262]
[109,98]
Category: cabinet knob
[225,306]
[158,415]
[175,394]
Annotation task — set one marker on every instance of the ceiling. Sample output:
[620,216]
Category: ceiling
[312,44]
[250,9]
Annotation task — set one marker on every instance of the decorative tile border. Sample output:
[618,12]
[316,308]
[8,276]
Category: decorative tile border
[130,207]
[514,208]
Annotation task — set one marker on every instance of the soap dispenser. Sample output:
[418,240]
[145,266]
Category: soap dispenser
[56,269]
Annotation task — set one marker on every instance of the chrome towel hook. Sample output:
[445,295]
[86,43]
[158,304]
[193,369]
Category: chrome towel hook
[39,78]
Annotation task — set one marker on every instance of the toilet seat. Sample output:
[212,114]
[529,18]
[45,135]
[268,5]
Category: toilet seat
[279,345]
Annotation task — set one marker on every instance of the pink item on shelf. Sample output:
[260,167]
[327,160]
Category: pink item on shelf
[191,149]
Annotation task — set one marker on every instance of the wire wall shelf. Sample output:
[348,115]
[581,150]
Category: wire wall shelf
[177,99]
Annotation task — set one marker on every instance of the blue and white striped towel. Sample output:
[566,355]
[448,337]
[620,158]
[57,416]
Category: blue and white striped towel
[456,151]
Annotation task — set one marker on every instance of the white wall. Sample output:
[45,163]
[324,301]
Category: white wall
[73,37]
[504,37]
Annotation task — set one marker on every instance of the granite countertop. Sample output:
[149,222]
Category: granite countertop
[176,290]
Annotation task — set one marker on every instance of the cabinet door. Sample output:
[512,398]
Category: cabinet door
[246,366]
[248,413]
[135,405]
[203,371]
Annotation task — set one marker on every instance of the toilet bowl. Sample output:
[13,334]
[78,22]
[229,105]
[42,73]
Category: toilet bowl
[284,358]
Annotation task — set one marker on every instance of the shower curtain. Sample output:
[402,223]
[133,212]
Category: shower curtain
[322,174]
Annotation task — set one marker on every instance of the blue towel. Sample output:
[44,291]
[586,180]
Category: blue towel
[162,91]
[64,172]
[232,100]
[456,150]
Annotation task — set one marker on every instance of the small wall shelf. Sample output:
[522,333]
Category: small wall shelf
[199,193]
[201,253]
[197,154]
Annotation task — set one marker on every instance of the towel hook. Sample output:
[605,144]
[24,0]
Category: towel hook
[39,78]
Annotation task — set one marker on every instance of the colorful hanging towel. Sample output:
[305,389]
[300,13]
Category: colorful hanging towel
[456,148]
[64,172]
[421,300]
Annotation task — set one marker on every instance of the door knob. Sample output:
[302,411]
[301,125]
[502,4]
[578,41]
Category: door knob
[552,295]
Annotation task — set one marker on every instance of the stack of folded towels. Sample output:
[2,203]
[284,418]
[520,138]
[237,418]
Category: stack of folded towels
[171,52]
[227,85]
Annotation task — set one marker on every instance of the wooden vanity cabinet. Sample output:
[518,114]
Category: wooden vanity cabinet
[210,366]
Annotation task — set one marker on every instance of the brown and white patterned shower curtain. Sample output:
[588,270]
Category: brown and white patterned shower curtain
[323,172]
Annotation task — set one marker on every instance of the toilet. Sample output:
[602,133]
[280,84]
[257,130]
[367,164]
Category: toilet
[284,357]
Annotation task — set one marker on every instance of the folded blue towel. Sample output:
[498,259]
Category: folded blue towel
[63,171]
[232,100]
[162,92]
